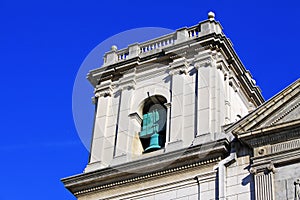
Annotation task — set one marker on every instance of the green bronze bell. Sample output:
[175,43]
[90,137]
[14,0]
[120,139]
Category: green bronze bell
[150,129]
[154,143]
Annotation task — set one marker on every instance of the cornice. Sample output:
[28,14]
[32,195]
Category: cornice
[254,119]
[270,162]
[187,48]
[160,165]
[104,90]
[271,134]
[285,113]
[148,176]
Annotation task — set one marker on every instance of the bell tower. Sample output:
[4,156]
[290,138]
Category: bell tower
[167,94]
[163,109]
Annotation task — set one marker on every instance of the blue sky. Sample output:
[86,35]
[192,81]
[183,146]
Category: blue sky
[43,44]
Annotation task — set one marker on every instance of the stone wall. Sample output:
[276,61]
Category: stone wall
[239,184]
[285,181]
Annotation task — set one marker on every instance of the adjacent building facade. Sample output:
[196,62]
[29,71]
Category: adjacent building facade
[180,117]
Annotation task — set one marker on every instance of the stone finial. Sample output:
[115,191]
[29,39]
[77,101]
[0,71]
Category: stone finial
[114,48]
[211,15]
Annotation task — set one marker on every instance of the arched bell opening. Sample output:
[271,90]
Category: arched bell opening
[153,127]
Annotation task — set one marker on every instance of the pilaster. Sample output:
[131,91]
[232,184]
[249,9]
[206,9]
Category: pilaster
[205,65]
[124,134]
[178,69]
[102,98]
[264,181]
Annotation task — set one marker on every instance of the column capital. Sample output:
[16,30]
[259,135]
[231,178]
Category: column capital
[128,81]
[104,89]
[104,92]
[266,168]
[179,66]
[129,85]
[271,167]
[205,62]
[253,170]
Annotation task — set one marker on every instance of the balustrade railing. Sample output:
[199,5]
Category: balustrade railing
[193,32]
[157,43]
[150,46]
[123,54]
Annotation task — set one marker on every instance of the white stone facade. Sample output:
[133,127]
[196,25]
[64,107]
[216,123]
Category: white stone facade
[207,153]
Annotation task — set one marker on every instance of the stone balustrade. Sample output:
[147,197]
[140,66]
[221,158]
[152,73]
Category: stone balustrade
[153,46]
[193,32]
[158,43]
[122,55]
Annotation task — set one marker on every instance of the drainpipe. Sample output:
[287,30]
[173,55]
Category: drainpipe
[222,174]
[198,185]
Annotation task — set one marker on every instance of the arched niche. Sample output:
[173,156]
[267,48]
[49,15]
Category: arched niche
[154,122]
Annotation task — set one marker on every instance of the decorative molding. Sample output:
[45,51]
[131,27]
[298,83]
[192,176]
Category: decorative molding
[275,138]
[151,175]
[103,92]
[285,114]
[261,151]
[148,71]
[179,66]
[233,83]
[253,170]
[104,89]
[175,161]
[136,116]
[255,122]
[129,85]
[128,80]
[207,62]
[271,167]
[284,146]
[264,168]
[178,55]
[265,163]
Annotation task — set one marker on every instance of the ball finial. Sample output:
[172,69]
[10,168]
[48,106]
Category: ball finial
[114,48]
[211,15]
